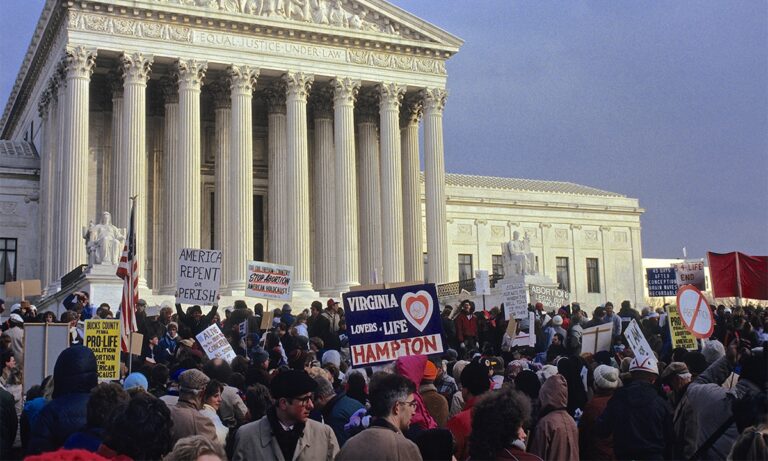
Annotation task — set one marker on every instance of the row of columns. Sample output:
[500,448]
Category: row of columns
[374,228]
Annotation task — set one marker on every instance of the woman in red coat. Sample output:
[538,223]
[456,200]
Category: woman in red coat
[590,444]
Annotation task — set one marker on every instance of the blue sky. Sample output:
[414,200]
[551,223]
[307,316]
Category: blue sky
[663,101]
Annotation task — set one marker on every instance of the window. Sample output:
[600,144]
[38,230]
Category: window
[7,260]
[497,263]
[563,278]
[593,275]
[465,267]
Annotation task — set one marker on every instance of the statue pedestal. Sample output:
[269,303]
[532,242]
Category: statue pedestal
[103,285]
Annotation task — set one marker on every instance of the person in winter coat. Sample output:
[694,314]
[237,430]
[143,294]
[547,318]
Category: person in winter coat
[592,446]
[466,327]
[194,320]
[556,436]
[436,404]
[412,367]
[714,404]
[639,419]
[497,427]
[74,375]
[475,382]
[336,409]
[677,377]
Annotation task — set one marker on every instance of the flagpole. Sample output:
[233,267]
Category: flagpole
[738,280]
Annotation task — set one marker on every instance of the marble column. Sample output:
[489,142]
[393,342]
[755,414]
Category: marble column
[116,86]
[44,111]
[61,136]
[222,103]
[324,185]
[434,181]
[170,90]
[156,189]
[390,98]
[132,162]
[185,191]
[347,254]
[297,85]
[240,215]
[369,188]
[49,248]
[277,199]
[80,62]
[410,115]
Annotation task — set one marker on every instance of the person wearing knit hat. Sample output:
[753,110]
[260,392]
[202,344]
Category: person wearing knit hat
[713,350]
[186,416]
[136,380]
[676,377]
[286,428]
[474,383]
[436,404]
[605,384]
[643,416]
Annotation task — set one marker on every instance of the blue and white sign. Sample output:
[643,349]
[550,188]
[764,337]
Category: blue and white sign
[662,281]
[383,325]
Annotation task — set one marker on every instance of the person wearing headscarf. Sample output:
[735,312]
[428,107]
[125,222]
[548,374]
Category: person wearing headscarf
[556,436]
[412,367]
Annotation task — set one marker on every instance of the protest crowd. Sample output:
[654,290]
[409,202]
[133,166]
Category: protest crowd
[291,393]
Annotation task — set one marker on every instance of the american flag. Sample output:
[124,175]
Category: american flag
[128,271]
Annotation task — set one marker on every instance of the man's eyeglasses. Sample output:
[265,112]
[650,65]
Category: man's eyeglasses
[413,404]
[302,401]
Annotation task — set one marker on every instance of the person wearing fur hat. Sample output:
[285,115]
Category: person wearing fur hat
[592,446]
[645,418]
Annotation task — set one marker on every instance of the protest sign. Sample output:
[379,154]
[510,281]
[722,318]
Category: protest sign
[680,336]
[694,312]
[215,344]
[385,324]
[597,338]
[482,283]
[638,343]
[43,342]
[690,273]
[269,281]
[198,276]
[527,338]
[662,281]
[551,298]
[103,338]
[20,289]
[514,297]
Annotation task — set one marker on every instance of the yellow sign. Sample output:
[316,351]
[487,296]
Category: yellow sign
[103,338]
[680,336]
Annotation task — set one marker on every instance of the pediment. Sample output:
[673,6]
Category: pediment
[371,17]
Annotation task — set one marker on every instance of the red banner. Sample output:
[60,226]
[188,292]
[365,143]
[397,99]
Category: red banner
[728,269]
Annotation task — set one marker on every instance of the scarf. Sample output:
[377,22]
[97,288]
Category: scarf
[287,440]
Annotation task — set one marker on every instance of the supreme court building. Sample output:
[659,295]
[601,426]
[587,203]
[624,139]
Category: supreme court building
[278,130]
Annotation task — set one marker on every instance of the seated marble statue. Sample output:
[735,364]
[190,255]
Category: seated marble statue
[104,241]
[518,255]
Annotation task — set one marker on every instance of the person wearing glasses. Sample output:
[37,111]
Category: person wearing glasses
[286,433]
[392,405]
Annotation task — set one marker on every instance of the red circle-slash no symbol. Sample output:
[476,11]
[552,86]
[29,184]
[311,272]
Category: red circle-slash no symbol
[695,299]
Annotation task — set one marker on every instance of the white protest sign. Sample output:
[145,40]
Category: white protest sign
[198,276]
[694,312]
[270,281]
[551,298]
[637,342]
[215,344]
[514,297]
[690,273]
[597,338]
[482,283]
[527,339]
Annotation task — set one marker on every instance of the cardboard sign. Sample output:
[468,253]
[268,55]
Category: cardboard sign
[482,283]
[694,312]
[103,338]
[269,281]
[638,343]
[677,331]
[690,273]
[215,344]
[597,338]
[514,296]
[551,298]
[662,281]
[43,342]
[198,276]
[383,325]
[21,289]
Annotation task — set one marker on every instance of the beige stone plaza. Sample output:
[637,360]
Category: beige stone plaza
[277,130]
